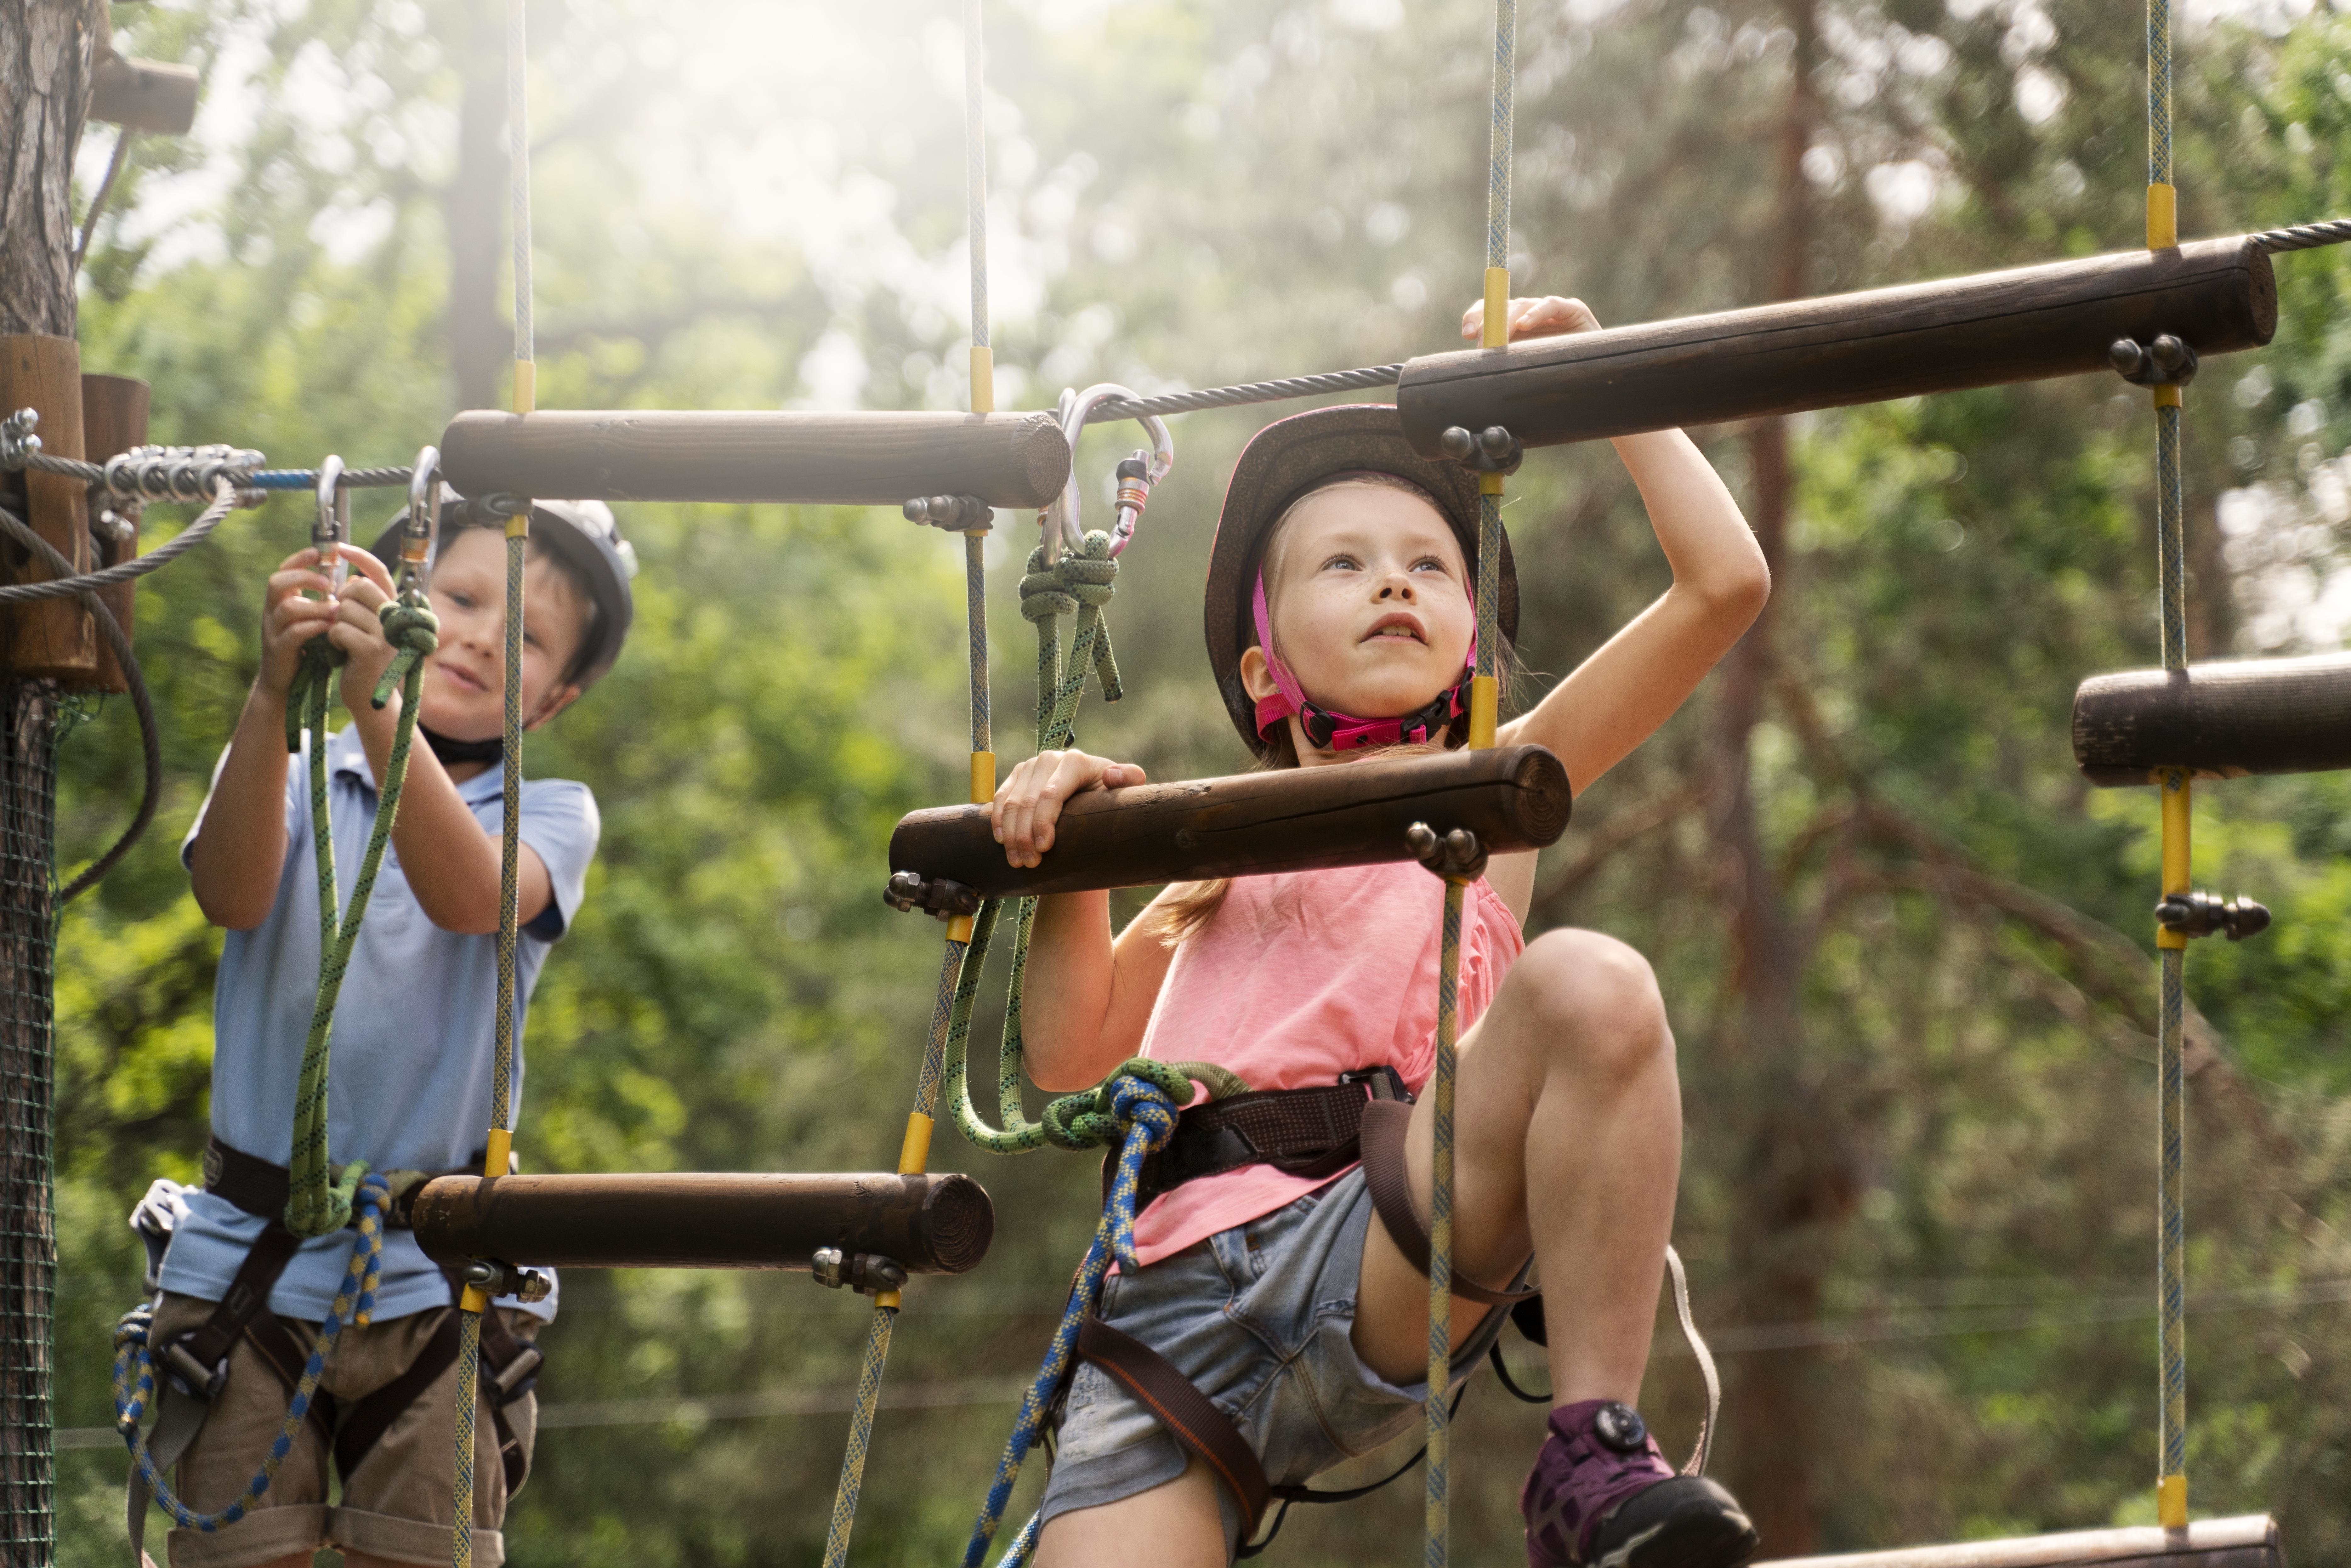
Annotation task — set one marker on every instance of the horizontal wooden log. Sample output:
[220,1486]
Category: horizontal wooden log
[1300,819]
[852,459]
[1993,328]
[2251,1542]
[144,95]
[2221,720]
[927,1224]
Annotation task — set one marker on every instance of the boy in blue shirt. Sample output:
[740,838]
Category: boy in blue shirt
[241,1299]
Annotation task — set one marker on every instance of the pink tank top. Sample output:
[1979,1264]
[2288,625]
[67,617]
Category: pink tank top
[1298,978]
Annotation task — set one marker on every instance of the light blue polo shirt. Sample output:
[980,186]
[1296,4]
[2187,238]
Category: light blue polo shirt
[414,1040]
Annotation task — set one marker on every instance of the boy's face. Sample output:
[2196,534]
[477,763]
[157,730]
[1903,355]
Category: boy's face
[464,681]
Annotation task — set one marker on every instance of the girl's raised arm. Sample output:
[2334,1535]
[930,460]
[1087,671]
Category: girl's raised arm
[1616,698]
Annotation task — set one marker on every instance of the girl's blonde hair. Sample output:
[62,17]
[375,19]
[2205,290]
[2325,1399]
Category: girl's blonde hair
[1186,907]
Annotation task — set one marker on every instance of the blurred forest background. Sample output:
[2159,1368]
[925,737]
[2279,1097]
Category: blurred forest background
[1906,950]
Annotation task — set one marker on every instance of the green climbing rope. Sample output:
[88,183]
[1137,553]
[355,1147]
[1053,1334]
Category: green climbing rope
[319,1199]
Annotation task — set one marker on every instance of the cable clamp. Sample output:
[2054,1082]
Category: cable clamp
[2207,914]
[17,442]
[951,514]
[1457,856]
[2164,361]
[494,1279]
[1492,450]
[909,891]
[867,1273]
[189,474]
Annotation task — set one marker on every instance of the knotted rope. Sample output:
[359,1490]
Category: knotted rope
[135,1370]
[318,1201]
[1137,1104]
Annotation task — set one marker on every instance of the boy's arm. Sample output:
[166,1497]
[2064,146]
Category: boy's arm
[449,860]
[239,848]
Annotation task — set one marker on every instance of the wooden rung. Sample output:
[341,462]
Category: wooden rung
[2251,1542]
[1299,819]
[2224,719]
[1994,328]
[927,1224]
[851,459]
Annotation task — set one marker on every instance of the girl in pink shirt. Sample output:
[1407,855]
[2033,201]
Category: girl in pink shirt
[1340,620]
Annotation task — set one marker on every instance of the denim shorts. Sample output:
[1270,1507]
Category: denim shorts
[1261,1318]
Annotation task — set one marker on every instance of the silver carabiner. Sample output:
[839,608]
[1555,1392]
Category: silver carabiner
[1062,520]
[423,528]
[331,530]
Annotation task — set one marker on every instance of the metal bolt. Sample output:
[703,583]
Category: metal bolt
[1458,444]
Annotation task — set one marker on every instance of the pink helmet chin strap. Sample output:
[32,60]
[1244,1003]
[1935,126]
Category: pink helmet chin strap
[1339,731]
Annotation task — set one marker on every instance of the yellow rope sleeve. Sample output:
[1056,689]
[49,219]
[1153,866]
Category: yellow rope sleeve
[2171,1502]
[2169,397]
[2162,217]
[915,1152]
[982,379]
[1485,707]
[2178,875]
[525,386]
[1497,329]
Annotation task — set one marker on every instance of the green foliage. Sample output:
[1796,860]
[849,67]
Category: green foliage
[1222,191]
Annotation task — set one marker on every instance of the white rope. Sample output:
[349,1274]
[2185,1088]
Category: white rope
[1696,1466]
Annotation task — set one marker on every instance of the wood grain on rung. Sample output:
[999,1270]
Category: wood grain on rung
[1303,819]
[2224,719]
[1994,328]
[856,459]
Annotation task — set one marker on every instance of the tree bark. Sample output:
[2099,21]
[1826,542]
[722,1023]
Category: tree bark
[47,49]
[1795,1174]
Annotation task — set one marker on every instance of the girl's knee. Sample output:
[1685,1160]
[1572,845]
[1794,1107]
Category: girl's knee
[1596,1003]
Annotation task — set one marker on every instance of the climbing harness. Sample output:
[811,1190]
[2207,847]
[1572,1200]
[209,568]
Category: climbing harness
[134,1386]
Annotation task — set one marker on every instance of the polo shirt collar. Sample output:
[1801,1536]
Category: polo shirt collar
[347,758]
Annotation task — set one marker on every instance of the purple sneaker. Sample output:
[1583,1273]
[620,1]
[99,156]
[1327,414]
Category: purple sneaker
[1602,1495]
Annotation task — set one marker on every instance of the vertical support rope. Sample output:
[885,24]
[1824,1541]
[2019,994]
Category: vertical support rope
[975,163]
[525,352]
[1437,1518]
[913,1151]
[2163,233]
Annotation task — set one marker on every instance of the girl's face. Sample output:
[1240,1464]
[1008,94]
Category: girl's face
[1369,600]
[464,681]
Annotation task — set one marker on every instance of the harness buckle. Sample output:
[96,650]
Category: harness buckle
[517,1377]
[192,1376]
[1385,1082]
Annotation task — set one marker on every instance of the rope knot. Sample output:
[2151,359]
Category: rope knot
[414,632]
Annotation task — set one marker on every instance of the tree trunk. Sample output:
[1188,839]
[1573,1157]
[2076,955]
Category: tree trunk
[1793,1169]
[45,57]
[480,337]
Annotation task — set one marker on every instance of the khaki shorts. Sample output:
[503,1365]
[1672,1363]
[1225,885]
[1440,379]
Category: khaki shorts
[399,1502]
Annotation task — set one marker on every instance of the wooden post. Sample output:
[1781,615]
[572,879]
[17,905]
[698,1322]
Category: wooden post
[925,1224]
[50,638]
[1300,819]
[855,459]
[113,421]
[144,95]
[1995,328]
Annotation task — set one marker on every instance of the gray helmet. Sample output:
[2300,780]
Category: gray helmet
[584,536]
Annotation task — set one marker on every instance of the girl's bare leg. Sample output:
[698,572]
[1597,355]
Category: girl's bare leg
[1176,1525]
[1567,1144]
